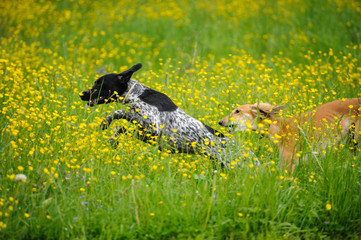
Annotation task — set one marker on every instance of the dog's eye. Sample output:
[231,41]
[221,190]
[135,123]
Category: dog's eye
[237,111]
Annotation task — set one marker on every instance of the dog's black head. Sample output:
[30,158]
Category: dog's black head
[109,87]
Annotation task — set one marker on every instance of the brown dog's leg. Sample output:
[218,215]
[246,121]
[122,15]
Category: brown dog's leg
[288,162]
[357,129]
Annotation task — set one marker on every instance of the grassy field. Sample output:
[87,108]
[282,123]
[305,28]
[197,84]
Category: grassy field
[208,56]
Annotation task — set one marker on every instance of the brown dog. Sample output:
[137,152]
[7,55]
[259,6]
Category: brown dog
[328,122]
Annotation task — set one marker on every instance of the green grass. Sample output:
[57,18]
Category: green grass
[208,56]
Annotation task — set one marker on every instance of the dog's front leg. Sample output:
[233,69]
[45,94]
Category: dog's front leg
[119,114]
[117,131]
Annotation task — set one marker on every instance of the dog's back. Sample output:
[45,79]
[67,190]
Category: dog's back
[338,117]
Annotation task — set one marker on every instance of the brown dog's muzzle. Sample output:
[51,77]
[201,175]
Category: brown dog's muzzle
[223,122]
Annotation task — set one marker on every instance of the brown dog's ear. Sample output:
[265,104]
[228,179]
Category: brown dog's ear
[277,108]
[256,110]
[265,110]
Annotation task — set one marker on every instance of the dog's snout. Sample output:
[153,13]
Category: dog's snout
[220,122]
[85,95]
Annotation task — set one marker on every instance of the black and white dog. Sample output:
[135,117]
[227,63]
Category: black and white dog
[159,119]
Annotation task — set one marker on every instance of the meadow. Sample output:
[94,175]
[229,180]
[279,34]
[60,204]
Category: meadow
[61,179]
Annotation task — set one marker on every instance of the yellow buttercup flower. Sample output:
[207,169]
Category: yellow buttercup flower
[328,207]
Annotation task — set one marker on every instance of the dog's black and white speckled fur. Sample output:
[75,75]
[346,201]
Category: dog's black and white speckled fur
[159,119]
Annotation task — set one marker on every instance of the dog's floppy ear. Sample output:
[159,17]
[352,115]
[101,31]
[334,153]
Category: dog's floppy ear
[266,110]
[276,109]
[126,75]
